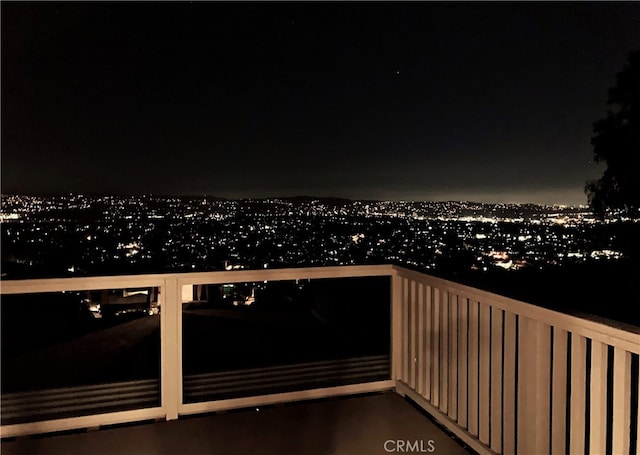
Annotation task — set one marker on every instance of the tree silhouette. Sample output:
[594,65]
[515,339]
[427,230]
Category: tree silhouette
[617,143]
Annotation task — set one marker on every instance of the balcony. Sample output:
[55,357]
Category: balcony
[501,375]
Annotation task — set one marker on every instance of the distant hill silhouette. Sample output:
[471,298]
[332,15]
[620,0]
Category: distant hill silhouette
[323,200]
[326,200]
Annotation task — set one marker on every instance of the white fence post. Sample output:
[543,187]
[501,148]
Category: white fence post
[396,326]
[170,346]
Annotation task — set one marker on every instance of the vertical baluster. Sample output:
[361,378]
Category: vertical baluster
[526,387]
[509,396]
[444,352]
[578,399]
[484,373]
[496,379]
[542,377]
[559,392]
[396,332]
[598,398]
[453,356]
[405,330]
[463,359]
[435,349]
[421,340]
[621,402]
[428,291]
[413,335]
[473,367]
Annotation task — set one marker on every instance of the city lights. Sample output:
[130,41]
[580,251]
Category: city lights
[169,233]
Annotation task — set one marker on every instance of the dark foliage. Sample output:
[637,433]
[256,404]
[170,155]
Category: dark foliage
[617,143]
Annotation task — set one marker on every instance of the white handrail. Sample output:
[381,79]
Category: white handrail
[236,276]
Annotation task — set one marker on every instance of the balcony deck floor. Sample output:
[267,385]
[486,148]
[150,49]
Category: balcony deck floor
[349,425]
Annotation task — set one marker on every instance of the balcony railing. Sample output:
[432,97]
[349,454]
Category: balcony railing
[503,375]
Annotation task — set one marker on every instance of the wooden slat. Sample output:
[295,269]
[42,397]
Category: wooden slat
[396,332]
[463,358]
[435,349]
[578,398]
[509,394]
[444,352]
[428,367]
[598,398]
[559,392]
[473,367]
[621,402]
[413,335]
[405,330]
[542,387]
[453,356]
[534,387]
[484,393]
[496,379]
[526,390]
[421,340]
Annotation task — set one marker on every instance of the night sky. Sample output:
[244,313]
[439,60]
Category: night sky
[425,101]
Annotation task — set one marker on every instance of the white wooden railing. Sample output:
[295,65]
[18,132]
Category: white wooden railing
[510,377]
[503,375]
[174,289]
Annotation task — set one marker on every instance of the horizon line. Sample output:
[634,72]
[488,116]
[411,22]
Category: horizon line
[298,196]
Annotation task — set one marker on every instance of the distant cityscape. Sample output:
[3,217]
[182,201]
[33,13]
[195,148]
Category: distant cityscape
[76,235]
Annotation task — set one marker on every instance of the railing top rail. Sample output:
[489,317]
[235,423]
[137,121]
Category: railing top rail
[238,276]
[218,277]
[611,332]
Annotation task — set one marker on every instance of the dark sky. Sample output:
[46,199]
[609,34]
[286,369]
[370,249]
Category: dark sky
[427,101]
